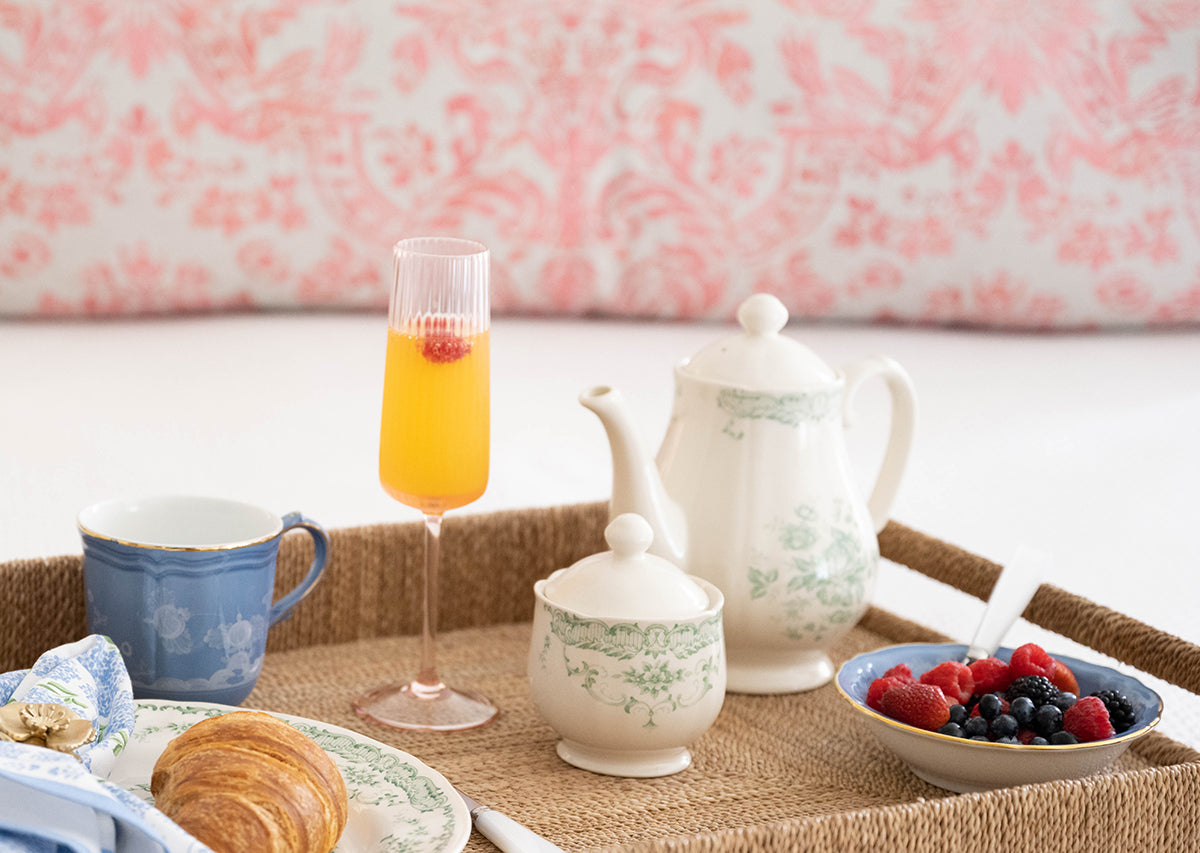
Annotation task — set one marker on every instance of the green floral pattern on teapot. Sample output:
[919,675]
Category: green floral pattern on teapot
[820,574]
[787,409]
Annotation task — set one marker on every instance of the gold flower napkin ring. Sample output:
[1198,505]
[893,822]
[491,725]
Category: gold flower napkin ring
[45,724]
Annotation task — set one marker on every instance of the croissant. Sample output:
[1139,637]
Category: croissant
[246,782]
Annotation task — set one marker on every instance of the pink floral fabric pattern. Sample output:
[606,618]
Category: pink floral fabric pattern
[995,163]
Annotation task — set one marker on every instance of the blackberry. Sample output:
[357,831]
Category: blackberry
[1036,687]
[1120,709]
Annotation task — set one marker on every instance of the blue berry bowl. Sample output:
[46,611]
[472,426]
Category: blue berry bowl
[964,765]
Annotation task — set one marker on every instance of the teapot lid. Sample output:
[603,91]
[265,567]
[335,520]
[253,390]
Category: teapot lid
[759,357]
[627,582]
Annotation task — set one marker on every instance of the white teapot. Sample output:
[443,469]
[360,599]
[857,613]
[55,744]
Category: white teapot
[752,490]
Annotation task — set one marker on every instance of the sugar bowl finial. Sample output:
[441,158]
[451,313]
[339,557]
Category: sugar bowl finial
[627,582]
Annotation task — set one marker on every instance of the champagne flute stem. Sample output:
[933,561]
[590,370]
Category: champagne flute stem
[428,684]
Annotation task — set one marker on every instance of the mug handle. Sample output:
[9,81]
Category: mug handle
[282,609]
[904,417]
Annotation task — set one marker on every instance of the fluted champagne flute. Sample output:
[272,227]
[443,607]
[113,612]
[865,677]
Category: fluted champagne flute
[434,442]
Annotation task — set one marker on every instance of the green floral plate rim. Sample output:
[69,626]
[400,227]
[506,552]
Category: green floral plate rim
[397,803]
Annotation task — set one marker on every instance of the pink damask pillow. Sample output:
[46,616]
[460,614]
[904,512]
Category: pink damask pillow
[982,162]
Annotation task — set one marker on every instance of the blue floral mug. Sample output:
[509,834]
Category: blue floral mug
[185,587]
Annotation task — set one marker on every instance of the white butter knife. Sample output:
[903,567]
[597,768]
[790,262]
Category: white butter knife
[505,832]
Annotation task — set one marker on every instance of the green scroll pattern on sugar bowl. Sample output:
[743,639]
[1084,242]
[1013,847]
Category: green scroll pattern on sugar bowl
[820,574]
[787,409]
[626,640]
[648,688]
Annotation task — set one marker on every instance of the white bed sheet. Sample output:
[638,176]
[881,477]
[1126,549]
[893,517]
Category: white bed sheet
[1084,445]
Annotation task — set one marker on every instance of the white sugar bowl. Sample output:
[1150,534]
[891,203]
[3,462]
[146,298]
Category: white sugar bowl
[627,660]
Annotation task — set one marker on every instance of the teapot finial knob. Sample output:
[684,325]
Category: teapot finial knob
[762,314]
[628,535]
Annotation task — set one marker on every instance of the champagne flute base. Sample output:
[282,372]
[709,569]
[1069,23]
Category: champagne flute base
[425,708]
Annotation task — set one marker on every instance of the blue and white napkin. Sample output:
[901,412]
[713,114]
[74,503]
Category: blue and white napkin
[51,802]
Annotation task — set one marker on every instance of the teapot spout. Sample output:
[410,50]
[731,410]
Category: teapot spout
[637,486]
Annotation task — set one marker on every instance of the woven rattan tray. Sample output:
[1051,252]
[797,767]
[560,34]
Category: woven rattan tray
[774,773]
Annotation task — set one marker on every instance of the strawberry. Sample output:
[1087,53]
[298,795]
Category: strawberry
[991,675]
[1088,720]
[952,678]
[1031,659]
[916,704]
[880,686]
[440,344]
[1064,679]
[901,671]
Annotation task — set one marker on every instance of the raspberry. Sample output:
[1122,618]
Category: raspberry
[440,344]
[901,671]
[920,705]
[991,675]
[954,679]
[1064,679]
[1088,720]
[880,686]
[1031,659]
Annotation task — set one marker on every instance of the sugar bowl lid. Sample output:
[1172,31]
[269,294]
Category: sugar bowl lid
[758,357]
[627,582]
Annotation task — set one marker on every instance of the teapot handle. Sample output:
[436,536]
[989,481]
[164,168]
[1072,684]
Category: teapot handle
[904,416]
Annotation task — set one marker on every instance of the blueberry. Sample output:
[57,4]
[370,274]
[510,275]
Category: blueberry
[1047,720]
[1004,726]
[990,706]
[975,726]
[1065,700]
[953,729]
[983,738]
[1007,739]
[1038,741]
[958,714]
[1022,710]
[1063,737]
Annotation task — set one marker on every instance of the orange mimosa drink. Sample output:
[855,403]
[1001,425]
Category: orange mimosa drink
[433,448]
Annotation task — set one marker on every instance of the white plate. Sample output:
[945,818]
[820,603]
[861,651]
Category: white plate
[397,803]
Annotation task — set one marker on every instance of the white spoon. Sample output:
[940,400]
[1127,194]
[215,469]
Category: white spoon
[1018,581]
